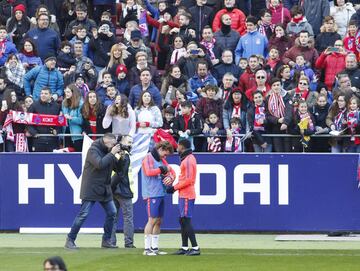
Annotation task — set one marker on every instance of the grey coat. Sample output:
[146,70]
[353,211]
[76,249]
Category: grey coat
[96,178]
[315,12]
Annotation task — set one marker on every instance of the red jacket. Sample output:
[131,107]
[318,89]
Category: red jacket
[332,65]
[309,52]
[247,80]
[280,15]
[187,178]
[237,20]
[249,92]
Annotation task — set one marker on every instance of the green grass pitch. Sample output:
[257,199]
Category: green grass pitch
[219,252]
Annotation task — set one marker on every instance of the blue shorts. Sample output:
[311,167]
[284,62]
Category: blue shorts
[155,207]
[186,207]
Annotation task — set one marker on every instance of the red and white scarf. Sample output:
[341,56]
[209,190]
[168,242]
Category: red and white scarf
[259,115]
[352,123]
[176,55]
[19,139]
[276,105]
[209,47]
[37,119]
[236,113]
[339,119]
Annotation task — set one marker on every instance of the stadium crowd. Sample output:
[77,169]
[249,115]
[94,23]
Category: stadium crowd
[223,74]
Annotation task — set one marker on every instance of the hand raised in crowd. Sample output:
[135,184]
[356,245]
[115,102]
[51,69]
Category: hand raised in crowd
[283,127]
[174,30]
[165,29]
[115,149]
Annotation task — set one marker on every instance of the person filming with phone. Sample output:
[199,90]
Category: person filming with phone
[332,61]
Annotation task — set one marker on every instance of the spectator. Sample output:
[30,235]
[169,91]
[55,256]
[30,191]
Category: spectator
[180,96]
[331,62]
[81,35]
[118,55]
[130,11]
[350,38]
[209,45]
[81,85]
[6,8]
[141,63]
[120,116]
[280,40]
[226,65]
[301,68]
[100,45]
[55,263]
[278,115]
[227,85]
[247,79]
[145,84]
[111,93]
[47,41]
[351,68]
[93,113]
[252,43]
[65,58]
[280,14]
[174,81]
[243,64]
[44,76]
[28,101]
[3,85]
[315,12]
[136,45]
[273,62]
[101,6]
[235,107]
[101,89]
[344,86]
[353,125]
[285,77]
[233,141]
[213,142]
[320,111]
[236,15]
[336,120]
[303,45]
[43,9]
[168,119]
[302,92]
[261,85]
[45,105]
[200,15]
[81,18]
[28,55]
[298,22]
[71,108]
[122,82]
[258,123]
[174,52]
[226,38]
[342,12]
[80,58]
[7,47]
[328,35]
[148,115]
[202,78]
[18,24]
[266,27]
[15,139]
[67,14]
[15,72]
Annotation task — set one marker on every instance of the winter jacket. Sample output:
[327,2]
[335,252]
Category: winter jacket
[331,65]
[293,28]
[227,115]
[120,125]
[315,12]
[47,41]
[237,20]
[280,15]
[65,60]
[9,49]
[247,80]
[120,183]
[320,114]
[31,60]
[205,13]
[88,23]
[227,41]
[135,93]
[96,177]
[308,72]
[85,43]
[221,69]
[43,77]
[100,48]
[74,124]
[134,76]
[6,9]
[309,53]
[188,65]
[99,119]
[325,40]
[205,105]
[283,44]
[197,82]
[342,16]
[354,75]
[251,44]
[123,86]
[195,124]
[150,115]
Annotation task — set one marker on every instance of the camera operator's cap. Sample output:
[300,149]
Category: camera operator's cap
[121,68]
[49,57]
[135,35]
[20,7]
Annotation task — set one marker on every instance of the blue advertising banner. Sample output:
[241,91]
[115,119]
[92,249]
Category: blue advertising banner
[241,192]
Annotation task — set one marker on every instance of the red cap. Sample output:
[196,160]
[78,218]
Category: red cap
[20,7]
[121,68]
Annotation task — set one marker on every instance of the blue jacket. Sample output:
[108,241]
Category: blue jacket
[251,44]
[101,93]
[47,41]
[75,124]
[136,91]
[31,60]
[123,86]
[9,49]
[43,77]
[196,82]
[85,44]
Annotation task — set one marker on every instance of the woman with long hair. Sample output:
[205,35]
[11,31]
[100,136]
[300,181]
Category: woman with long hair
[18,25]
[15,74]
[14,132]
[93,113]
[28,55]
[118,54]
[280,39]
[71,108]
[121,116]
[148,115]
[235,107]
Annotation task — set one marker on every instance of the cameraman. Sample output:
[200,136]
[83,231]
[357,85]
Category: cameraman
[122,194]
[95,187]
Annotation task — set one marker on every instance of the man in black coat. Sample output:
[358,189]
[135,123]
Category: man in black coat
[227,65]
[121,188]
[96,187]
[200,16]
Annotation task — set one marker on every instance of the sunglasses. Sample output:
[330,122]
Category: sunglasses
[303,83]
[260,77]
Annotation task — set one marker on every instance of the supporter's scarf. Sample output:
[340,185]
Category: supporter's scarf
[214,144]
[259,115]
[236,111]
[28,54]
[19,139]
[233,143]
[272,63]
[276,105]
[297,20]
[352,122]
[143,24]
[176,54]
[37,119]
[2,47]
[209,47]
[338,119]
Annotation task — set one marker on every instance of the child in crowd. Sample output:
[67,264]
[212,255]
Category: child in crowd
[106,16]
[28,101]
[101,89]
[168,120]
[122,82]
[81,35]
[350,39]
[65,59]
[300,66]
[111,93]
[273,63]
[188,123]
[233,142]
[80,83]
[353,125]
[243,63]
[213,142]
[320,111]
